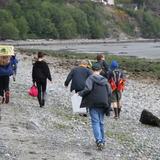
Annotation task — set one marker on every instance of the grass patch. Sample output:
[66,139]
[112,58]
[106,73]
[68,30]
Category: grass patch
[122,138]
[136,67]
[61,126]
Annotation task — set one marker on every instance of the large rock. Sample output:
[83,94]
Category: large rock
[150,119]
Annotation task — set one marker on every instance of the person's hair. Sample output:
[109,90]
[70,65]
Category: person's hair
[84,62]
[40,55]
[100,56]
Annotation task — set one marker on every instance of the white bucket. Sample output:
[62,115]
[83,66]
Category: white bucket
[76,102]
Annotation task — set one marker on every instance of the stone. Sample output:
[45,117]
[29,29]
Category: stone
[150,119]
[30,125]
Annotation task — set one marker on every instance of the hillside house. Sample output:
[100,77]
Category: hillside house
[105,2]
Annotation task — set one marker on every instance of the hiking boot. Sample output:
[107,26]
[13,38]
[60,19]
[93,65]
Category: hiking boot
[7,97]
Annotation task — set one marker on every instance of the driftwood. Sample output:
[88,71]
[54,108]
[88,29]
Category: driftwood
[150,119]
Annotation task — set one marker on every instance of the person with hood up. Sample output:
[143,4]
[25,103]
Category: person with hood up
[40,74]
[96,97]
[116,79]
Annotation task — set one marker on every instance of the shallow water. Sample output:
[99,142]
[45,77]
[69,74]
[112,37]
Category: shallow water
[139,49]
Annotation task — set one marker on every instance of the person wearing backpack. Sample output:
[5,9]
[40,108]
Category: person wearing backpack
[6,71]
[96,97]
[40,74]
[116,80]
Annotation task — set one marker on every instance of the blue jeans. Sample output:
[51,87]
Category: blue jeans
[97,120]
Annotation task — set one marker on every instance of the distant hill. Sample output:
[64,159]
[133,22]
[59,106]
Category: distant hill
[67,19]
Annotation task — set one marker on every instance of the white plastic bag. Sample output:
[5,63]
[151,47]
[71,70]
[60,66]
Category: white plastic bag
[76,102]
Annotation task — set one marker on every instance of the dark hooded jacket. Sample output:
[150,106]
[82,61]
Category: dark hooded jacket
[40,72]
[105,68]
[78,76]
[96,93]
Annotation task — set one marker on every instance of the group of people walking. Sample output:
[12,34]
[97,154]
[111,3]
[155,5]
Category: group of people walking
[98,84]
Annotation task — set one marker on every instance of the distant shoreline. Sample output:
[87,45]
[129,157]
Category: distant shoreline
[73,41]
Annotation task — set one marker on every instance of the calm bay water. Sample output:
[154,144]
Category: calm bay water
[139,49]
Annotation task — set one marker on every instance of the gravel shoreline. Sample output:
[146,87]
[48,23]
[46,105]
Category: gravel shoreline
[54,133]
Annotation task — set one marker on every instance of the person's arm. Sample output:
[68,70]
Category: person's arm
[16,60]
[89,72]
[48,73]
[88,87]
[33,74]
[69,78]
[105,65]
[109,90]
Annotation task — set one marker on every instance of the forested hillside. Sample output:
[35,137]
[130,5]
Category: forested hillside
[65,19]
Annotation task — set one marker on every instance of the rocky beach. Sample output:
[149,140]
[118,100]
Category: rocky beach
[28,132]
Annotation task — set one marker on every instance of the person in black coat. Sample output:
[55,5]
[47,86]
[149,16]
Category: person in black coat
[96,96]
[78,76]
[104,65]
[40,74]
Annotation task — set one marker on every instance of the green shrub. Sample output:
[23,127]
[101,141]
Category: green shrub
[9,31]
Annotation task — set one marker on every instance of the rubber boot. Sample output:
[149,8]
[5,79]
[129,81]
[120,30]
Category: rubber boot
[7,97]
[116,113]
[119,110]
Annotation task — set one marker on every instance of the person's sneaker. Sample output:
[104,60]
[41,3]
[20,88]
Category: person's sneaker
[43,102]
[83,114]
[7,97]
[100,146]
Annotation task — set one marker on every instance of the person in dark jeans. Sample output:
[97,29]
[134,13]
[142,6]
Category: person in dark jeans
[96,96]
[5,72]
[40,74]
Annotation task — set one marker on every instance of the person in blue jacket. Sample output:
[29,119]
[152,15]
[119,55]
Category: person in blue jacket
[5,72]
[14,63]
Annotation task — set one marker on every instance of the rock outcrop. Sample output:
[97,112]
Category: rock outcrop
[150,119]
